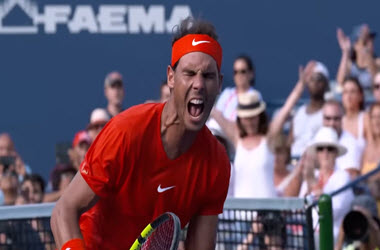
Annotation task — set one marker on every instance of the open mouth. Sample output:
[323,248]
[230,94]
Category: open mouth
[195,107]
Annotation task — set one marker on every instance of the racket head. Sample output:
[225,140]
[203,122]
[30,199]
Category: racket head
[163,233]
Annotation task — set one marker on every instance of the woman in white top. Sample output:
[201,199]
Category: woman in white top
[355,120]
[324,150]
[253,165]
[254,160]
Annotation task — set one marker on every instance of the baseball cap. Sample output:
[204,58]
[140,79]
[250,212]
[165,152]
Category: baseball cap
[81,136]
[113,78]
[99,116]
[321,69]
[356,32]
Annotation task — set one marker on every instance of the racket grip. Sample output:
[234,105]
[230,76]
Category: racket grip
[74,244]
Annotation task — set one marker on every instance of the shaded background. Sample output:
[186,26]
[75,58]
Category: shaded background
[50,83]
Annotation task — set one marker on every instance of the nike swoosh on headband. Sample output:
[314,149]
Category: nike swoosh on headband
[194,43]
[160,190]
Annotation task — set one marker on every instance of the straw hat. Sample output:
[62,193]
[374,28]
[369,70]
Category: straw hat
[327,136]
[250,104]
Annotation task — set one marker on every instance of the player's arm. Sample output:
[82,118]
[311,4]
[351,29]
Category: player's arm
[77,198]
[202,232]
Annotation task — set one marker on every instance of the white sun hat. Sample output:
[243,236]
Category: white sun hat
[250,104]
[327,136]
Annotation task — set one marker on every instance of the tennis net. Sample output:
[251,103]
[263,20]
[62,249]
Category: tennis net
[265,224]
[26,227]
[245,224]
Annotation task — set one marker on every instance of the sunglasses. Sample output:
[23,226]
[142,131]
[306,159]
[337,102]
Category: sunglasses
[328,148]
[243,72]
[332,118]
[376,86]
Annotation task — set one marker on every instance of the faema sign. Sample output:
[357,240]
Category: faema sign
[102,19]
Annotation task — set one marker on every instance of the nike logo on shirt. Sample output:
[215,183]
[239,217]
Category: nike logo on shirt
[194,43]
[161,190]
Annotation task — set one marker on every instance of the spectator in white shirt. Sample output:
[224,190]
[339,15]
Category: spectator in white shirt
[310,113]
[323,152]
[332,117]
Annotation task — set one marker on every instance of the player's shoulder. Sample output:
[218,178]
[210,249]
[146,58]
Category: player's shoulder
[138,115]
[212,147]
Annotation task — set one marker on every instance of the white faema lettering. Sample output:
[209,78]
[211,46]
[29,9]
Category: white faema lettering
[54,14]
[111,19]
[179,13]
[83,19]
[153,20]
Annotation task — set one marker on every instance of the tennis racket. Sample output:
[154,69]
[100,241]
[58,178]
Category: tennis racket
[161,234]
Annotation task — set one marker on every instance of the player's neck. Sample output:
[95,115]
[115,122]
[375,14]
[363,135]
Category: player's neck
[176,140]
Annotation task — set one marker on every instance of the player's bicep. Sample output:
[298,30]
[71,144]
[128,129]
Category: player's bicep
[79,195]
[202,232]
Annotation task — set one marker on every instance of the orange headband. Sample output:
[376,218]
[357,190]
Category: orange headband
[197,42]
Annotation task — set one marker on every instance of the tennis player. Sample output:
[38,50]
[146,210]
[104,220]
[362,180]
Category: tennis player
[154,158]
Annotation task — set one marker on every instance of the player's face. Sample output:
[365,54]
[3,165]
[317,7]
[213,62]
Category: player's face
[195,85]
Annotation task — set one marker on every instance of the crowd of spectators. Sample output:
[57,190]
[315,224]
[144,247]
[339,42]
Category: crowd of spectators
[334,134]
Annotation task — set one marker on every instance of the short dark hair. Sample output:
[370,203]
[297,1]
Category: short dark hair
[35,178]
[191,25]
[263,125]
[356,81]
[251,66]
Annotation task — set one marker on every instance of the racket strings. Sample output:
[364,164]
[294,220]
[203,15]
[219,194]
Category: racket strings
[161,238]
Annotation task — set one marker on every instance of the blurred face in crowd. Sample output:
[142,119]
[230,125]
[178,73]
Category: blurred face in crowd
[375,120]
[81,150]
[242,74]
[6,145]
[364,46]
[32,192]
[9,183]
[115,93]
[95,129]
[326,156]
[78,153]
[332,117]
[351,96]
[165,93]
[250,124]
[317,86]
[376,87]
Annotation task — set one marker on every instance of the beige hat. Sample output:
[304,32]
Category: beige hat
[250,104]
[327,136]
[99,116]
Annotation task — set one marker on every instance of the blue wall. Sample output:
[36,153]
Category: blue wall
[49,83]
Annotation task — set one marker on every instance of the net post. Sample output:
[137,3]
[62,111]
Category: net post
[326,238]
[309,228]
